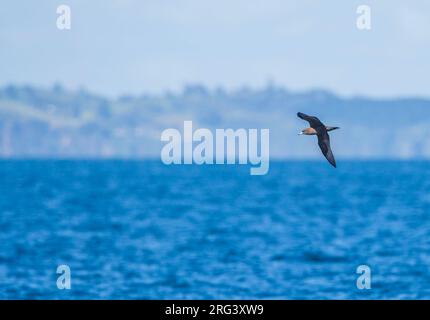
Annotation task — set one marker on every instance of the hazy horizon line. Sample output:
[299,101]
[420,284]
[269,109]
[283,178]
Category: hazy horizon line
[157,158]
[213,89]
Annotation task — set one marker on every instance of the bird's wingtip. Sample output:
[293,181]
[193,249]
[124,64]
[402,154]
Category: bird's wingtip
[332,161]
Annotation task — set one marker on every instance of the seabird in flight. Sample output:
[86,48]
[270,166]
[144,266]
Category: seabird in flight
[319,129]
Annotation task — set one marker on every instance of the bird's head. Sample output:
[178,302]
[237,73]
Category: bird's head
[308,131]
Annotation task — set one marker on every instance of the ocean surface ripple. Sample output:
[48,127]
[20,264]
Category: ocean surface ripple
[143,230]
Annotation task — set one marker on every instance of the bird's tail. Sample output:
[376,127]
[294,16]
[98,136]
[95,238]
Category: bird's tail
[331,128]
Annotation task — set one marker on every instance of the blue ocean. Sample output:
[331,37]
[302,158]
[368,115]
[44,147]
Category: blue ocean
[144,230]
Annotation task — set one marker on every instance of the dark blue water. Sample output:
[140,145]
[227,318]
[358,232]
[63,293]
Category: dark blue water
[143,230]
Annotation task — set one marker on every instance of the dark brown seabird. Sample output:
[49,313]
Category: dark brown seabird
[319,129]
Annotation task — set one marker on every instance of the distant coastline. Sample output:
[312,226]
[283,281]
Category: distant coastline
[56,122]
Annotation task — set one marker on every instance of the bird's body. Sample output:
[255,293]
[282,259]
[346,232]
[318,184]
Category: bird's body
[312,131]
[320,130]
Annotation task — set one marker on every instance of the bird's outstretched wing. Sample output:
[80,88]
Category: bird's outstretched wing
[324,143]
[314,122]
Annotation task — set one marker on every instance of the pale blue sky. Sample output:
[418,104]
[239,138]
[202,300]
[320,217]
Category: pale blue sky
[131,46]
